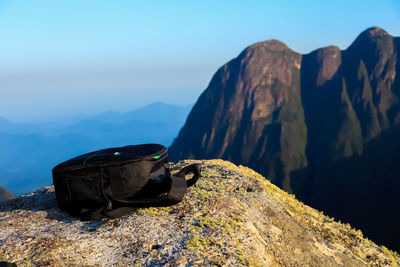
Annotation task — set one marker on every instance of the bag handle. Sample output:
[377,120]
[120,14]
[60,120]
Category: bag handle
[193,168]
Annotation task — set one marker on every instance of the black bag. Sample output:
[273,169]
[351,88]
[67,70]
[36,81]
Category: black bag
[113,181]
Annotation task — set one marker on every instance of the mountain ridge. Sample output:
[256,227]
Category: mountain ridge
[295,117]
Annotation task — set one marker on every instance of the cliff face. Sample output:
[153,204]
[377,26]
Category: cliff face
[324,126]
[251,113]
[233,216]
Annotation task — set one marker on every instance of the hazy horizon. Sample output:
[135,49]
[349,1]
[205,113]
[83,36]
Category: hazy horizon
[81,115]
[67,58]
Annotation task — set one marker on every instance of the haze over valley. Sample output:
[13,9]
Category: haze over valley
[30,151]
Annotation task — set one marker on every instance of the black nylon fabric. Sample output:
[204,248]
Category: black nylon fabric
[115,177]
[89,186]
[7,264]
[113,156]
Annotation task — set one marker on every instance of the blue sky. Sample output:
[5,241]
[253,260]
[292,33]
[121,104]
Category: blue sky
[60,58]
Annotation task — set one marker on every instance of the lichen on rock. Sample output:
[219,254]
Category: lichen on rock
[233,216]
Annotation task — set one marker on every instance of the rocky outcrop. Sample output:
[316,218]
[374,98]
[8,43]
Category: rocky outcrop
[233,216]
[251,113]
[5,194]
[323,126]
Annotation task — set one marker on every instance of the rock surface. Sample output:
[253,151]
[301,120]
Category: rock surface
[233,216]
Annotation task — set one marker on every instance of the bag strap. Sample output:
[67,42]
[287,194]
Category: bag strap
[91,215]
[174,195]
[192,168]
[119,212]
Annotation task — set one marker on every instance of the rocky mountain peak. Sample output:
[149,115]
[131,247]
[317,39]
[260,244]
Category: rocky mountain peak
[374,32]
[274,45]
[371,38]
[328,60]
[320,125]
[375,39]
[269,60]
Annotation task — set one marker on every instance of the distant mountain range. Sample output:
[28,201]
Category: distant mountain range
[324,126]
[29,151]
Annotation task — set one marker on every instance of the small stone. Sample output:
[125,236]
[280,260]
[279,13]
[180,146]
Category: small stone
[156,246]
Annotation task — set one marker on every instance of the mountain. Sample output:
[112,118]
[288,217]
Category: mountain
[29,151]
[324,126]
[4,194]
[153,113]
[232,217]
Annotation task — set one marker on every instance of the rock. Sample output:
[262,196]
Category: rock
[220,222]
[5,194]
